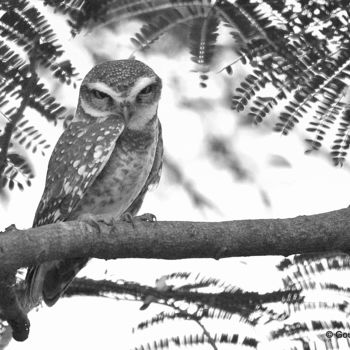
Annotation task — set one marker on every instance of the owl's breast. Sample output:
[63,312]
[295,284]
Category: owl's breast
[123,177]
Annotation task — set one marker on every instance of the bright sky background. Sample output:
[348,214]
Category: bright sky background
[303,185]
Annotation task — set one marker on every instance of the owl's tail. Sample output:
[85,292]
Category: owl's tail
[50,280]
[34,282]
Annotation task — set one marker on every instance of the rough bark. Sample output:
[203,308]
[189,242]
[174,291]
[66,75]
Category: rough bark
[108,239]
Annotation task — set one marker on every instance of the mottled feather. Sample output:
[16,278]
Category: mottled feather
[65,187]
[67,179]
[154,176]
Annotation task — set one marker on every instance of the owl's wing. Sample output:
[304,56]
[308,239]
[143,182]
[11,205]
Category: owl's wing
[78,158]
[154,175]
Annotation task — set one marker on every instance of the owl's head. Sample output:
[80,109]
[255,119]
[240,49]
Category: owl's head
[126,88]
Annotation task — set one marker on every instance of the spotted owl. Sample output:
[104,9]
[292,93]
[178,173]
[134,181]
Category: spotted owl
[104,162]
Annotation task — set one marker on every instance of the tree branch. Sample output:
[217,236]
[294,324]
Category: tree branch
[237,301]
[110,239]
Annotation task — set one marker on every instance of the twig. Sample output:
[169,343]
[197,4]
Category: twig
[196,319]
[205,332]
[244,304]
[27,90]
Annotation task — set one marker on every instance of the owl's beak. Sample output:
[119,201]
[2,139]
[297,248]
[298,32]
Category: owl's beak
[126,113]
[125,110]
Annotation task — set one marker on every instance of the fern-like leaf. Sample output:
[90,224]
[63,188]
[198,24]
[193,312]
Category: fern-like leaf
[197,339]
[247,90]
[203,35]
[307,94]
[23,24]
[161,24]
[14,73]
[342,142]
[326,114]
[262,107]
[28,136]
[17,172]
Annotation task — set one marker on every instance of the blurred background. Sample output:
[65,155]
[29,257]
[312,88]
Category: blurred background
[218,166]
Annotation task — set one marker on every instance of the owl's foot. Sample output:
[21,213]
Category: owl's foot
[127,217]
[147,217]
[95,220]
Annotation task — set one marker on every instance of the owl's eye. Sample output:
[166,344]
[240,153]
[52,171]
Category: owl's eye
[146,94]
[147,90]
[99,94]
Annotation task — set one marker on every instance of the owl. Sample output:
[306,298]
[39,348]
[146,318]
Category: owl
[104,162]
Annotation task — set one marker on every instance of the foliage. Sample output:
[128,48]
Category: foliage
[307,306]
[23,27]
[300,49]
[311,301]
[302,312]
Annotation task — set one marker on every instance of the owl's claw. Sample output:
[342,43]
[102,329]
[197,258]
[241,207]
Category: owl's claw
[127,217]
[90,220]
[147,217]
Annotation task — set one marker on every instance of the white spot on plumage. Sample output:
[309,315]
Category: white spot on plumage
[81,133]
[98,152]
[81,170]
[56,214]
[67,187]
[93,171]
[76,163]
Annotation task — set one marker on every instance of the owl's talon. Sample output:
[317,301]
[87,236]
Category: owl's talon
[127,217]
[147,217]
[90,220]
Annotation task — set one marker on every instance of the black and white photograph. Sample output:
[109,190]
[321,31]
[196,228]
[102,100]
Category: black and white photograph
[174,174]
